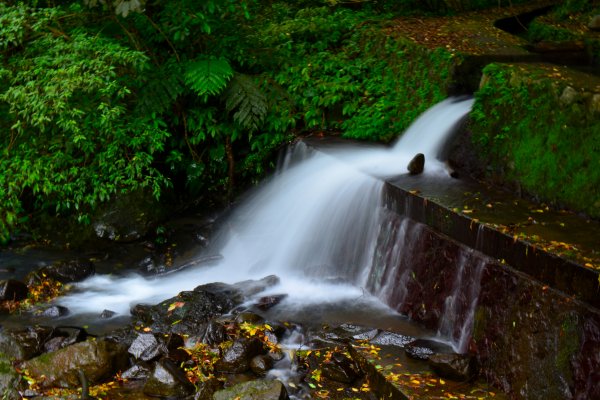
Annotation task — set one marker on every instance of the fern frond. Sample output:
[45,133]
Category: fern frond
[248,101]
[161,89]
[208,76]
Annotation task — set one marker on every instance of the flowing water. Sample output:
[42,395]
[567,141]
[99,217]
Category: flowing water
[314,224]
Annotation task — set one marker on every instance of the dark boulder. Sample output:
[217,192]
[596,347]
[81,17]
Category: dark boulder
[96,359]
[237,357]
[458,367]
[261,364]
[148,346]
[185,312]
[341,368]
[417,164]
[63,271]
[250,288]
[127,217]
[206,390]
[210,333]
[12,290]
[24,344]
[254,390]
[168,380]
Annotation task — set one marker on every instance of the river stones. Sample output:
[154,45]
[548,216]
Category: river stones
[237,357]
[168,380]
[458,367]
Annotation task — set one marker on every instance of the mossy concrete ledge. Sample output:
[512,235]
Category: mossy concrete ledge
[555,271]
[530,340]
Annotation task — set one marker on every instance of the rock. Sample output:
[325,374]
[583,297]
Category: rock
[210,333]
[341,369]
[254,390]
[12,290]
[168,380]
[127,217]
[206,390]
[54,312]
[261,364]
[24,344]
[139,371]
[191,309]
[249,317]
[145,347]
[458,367]
[237,357]
[97,359]
[106,314]
[422,349]
[250,288]
[417,164]
[10,380]
[268,302]
[391,339]
[594,24]
[568,96]
[63,271]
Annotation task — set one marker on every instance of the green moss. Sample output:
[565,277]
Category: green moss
[549,146]
[568,343]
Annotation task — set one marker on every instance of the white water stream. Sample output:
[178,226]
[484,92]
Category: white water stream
[317,219]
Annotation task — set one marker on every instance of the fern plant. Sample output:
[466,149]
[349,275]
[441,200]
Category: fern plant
[247,100]
[208,76]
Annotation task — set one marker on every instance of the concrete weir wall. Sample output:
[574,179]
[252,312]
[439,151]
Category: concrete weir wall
[535,327]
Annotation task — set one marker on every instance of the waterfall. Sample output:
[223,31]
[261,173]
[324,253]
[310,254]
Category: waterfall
[315,224]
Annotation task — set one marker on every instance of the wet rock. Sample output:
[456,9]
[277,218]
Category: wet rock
[392,339]
[250,288]
[417,164]
[249,317]
[106,314]
[569,96]
[139,371]
[210,333]
[185,312]
[168,380]
[420,349]
[24,344]
[254,390]
[206,390]
[458,367]
[12,290]
[145,347]
[341,368]
[63,271]
[261,364]
[55,312]
[268,302]
[97,359]
[237,357]
[594,24]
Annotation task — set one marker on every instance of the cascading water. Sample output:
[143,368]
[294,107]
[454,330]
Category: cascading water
[314,224]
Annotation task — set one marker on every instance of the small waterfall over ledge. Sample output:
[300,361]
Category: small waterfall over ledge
[321,226]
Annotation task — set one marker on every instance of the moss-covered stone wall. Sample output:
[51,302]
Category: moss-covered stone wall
[537,127]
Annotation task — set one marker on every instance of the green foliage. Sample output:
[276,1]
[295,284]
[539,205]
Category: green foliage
[555,157]
[208,76]
[245,98]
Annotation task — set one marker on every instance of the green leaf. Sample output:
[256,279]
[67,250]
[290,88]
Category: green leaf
[208,76]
